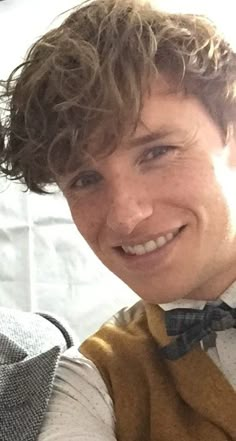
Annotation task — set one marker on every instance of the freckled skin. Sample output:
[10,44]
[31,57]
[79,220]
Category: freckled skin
[136,194]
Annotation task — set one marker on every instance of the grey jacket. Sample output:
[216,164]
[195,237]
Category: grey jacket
[30,348]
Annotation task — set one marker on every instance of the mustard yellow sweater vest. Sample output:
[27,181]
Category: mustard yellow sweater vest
[156,399]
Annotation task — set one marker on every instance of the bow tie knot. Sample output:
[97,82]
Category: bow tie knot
[221,320]
[192,325]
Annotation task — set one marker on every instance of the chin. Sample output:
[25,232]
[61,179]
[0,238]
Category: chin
[156,298]
[160,294]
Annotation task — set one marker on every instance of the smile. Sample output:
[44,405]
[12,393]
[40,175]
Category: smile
[151,245]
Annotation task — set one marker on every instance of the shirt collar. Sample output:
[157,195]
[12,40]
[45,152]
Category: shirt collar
[228,296]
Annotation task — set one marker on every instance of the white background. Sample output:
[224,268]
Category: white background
[44,262]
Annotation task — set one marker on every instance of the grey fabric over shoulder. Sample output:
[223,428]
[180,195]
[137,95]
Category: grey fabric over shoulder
[30,348]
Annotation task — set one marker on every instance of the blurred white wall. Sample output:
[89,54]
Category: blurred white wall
[22,22]
[221,12]
[44,262]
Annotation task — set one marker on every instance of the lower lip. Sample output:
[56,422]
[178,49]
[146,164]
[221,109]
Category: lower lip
[160,256]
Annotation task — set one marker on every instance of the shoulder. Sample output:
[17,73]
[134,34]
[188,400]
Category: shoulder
[77,372]
[80,402]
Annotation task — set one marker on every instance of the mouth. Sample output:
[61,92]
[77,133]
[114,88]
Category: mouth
[150,246]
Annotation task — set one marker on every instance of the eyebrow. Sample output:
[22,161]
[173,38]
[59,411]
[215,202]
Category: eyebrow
[156,135]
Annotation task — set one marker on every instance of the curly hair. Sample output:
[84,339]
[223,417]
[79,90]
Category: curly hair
[83,83]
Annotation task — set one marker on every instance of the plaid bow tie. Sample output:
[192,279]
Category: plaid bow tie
[192,325]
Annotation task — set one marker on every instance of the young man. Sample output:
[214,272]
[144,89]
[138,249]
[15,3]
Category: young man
[131,111]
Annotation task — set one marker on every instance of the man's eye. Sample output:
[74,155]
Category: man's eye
[86,180]
[157,152]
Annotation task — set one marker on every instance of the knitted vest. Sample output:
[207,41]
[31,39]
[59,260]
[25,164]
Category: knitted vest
[156,399]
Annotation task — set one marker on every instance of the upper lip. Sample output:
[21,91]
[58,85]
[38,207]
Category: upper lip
[142,240]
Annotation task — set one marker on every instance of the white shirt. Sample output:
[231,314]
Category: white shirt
[81,409]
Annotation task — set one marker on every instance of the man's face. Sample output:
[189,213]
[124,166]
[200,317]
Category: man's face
[160,211]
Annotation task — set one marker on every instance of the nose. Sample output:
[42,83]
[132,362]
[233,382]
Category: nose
[128,207]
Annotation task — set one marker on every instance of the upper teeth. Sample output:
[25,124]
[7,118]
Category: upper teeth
[149,246]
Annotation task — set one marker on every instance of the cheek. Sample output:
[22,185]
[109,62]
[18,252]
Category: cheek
[206,192]
[86,215]
[188,181]
[192,186]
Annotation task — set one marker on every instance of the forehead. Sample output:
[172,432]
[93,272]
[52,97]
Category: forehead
[162,116]
[165,113]
[166,108]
